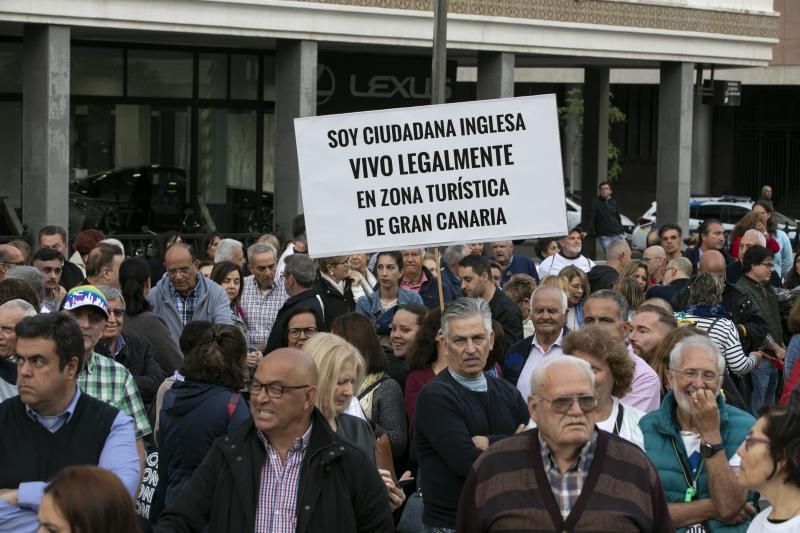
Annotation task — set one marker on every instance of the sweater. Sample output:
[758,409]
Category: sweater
[508,490]
[213,305]
[448,416]
[387,413]
[660,432]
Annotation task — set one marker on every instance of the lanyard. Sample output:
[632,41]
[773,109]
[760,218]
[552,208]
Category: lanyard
[691,484]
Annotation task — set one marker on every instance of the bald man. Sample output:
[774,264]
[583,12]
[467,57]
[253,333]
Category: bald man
[9,256]
[656,259]
[288,454]
[741,308]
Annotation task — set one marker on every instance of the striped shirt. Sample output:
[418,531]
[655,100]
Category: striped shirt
[261,308]
[567,486]
[724,334]
[110,382]
[186,305]
[277,495]
[551,266]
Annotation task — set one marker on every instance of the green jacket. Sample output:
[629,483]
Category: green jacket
[767,301]
[660,429]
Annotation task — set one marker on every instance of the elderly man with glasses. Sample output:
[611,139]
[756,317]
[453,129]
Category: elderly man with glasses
[692,440]
[565,475]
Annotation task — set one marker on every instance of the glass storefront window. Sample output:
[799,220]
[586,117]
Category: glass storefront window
[11,152]
[269,153]
[159,73]
[269,78]
[227,165]
[213,76]
[244,77]
[10,67]
[96,71]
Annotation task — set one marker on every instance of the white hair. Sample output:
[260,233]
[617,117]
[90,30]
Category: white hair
[545,288]
[700,342]
[115,242]
[226,249]
[539,374]
[26,308]
[762,241]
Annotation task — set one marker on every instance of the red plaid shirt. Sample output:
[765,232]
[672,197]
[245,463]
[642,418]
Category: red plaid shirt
[277,495]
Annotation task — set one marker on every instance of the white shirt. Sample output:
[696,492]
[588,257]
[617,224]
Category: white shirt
[629,427]
[535,358]
[551,266]
[761,524]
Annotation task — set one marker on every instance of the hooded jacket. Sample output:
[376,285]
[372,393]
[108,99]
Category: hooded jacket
[192,417]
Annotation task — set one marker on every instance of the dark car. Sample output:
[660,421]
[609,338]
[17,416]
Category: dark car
[155,197]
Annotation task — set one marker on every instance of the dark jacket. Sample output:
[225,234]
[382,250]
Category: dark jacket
[516,357]
[767,302]
[519,265]
[603,217]
[506,311]
[429,292]
[192,417]
[305,300]
[693,255]
[666,292]
[139,358]
[452,280]
[71,275]
[334,303]
[741,309]
[734,272]
[339,487]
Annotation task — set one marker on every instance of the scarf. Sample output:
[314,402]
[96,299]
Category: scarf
[366,400]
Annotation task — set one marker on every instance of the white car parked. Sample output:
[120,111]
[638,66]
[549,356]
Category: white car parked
[727,209]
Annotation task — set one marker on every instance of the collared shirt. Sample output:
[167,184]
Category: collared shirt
[110,382]
[413,286]
[536,358]
[261,308]
[277,495]
[115,350]
[567,486]
[186,305]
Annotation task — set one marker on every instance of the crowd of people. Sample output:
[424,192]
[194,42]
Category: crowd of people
[224,387]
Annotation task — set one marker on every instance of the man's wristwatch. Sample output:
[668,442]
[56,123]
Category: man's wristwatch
[708,450]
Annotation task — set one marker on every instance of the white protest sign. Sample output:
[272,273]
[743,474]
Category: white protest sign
[431,175]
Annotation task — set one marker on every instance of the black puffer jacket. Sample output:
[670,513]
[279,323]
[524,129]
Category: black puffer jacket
[339,487]
[334,303]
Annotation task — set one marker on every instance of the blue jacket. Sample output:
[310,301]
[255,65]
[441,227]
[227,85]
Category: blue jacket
[429,292]
[370,304]
[192,416]
[453,280]
[519,265]
[660,430]
[517,356]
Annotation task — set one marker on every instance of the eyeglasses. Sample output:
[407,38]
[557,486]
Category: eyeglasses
[562,404]
[294,333]
[768,265]
[274,390]
[750,441]
[692,373]
[184,271]
[116,312]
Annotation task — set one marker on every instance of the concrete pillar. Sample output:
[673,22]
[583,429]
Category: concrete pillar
[702,141]
[674,171]
[572,144]
[45,126]
[495,75]
[296,96]
[594,161]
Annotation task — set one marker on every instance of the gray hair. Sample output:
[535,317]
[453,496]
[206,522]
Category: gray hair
[111,293]
[547,288]
[259,248]
[453,254]
[539,374]
[706,289]
[301,267]
[29,275]
[115,242]
[465,308]
[608,294]
[682,265]
[226,249]
[762,241]
[616,247]
[26,308]
[696,341]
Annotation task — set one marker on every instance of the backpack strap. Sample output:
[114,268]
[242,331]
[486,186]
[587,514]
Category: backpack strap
[232,402]
[371,387]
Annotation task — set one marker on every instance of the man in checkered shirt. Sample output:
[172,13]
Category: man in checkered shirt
[102,377]
[262,295]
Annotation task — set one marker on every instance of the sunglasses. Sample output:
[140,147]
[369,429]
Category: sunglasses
[562,404]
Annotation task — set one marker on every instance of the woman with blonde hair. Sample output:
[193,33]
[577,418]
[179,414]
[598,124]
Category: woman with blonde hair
[577,290]
[632,291]
[638,271]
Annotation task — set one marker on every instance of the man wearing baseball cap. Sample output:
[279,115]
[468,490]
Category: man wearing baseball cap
[102,377]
